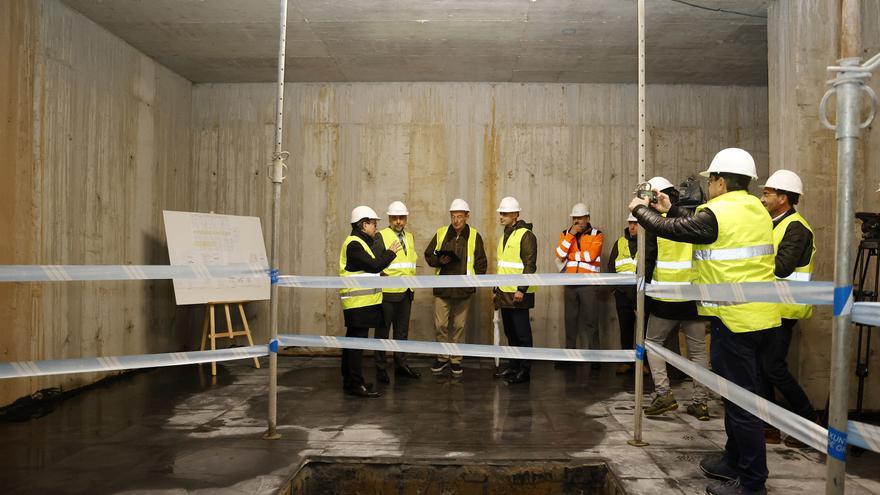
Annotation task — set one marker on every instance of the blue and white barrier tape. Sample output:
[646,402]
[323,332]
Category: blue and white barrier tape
[437,281]
[863,435]
[67,273]
[469,350]
[804,430]
[788,292]
[866,313]
[22,369]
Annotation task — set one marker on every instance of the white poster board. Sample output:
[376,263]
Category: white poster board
[206,238]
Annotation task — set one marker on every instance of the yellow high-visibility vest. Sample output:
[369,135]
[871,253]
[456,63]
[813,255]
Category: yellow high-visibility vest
[801,273]
[404,264]
[743,252]
[674,265]
[508,258]
[471,247]
[357,298]
[625,262]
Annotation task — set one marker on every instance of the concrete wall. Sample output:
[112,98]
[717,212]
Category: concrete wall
[549,145]
[101,146]
[803,41]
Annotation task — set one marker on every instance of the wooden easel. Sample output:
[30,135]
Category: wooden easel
[210,321]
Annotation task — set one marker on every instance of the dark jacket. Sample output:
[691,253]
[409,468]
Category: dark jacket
[794,249]
[458,244]
[702,226]
[358,260]
[679,225]
[528,251]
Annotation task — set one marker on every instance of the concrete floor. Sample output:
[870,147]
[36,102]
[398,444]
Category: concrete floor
[178,430]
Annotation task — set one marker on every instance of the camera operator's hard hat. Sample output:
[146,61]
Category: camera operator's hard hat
[508,205]
[660,183]
[363,212]
[579,210]
[785,180]
[632,218]
[397,208]
[459,205]
[732,161]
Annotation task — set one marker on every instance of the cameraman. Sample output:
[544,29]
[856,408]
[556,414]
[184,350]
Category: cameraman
[733,242]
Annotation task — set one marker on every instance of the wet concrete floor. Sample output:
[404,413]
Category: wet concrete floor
[179,430]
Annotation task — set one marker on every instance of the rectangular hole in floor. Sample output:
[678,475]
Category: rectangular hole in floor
[441,477]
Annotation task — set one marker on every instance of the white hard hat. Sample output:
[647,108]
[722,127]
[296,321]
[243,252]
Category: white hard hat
[397,208]
[508,205]
[363,212]
[459,205]
[732,161]
[660,183]
[785,180]
[632,218]
[580,210]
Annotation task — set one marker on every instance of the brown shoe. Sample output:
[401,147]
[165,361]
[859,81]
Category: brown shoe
[623,368]
[772,436]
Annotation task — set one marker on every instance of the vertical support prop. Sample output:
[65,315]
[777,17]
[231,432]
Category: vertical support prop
[640,261]
[848,89]
[277,178]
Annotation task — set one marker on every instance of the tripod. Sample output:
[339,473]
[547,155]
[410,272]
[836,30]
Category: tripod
[862,277]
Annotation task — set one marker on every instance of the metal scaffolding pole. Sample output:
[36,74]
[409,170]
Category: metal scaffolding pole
[640,259]
[277,178]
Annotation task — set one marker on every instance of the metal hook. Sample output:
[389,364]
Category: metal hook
[823,117]
[872,109]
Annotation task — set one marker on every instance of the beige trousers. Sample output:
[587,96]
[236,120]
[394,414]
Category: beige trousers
[449,318]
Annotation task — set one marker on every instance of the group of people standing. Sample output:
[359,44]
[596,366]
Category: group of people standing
[732,238]
[456,249]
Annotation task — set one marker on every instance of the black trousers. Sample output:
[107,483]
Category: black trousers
[774,372]
[625,300]
[518,330]
[735,357]
[396,314]
[353,359]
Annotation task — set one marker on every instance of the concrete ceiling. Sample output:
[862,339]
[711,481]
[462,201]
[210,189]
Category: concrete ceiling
[444,40]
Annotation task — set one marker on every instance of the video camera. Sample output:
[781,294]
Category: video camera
[870,225]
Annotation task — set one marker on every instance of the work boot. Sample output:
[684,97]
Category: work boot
[699,411]
[772,435]
[382,376]
[715,466]
[439,366]
[732,487]
[366,391]
[456,368]
[661,404]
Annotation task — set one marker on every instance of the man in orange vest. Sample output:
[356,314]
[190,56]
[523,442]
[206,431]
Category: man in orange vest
[580,251]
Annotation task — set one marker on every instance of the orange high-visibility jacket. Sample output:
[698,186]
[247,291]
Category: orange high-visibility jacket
[583,256]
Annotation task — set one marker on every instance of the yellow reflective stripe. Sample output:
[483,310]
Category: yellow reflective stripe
[510,264]
[732,254]
[401,265]
[360,292]
[674,265]
[655,282]
[623,261]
